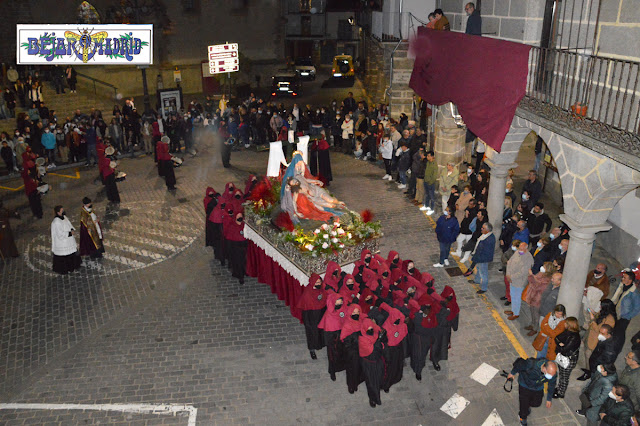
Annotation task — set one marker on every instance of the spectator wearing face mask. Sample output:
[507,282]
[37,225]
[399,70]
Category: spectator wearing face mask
[541,253]
[627,300]
[538,222]
[517,272]
[596,392]
[598,278]
[48,141]
[603,353]
[617,409]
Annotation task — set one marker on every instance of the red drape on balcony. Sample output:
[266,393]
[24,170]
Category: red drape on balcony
[485,78]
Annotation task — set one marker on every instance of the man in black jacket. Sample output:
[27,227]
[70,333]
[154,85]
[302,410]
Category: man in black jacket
[537,221]
[604,353]
[474,22]
[533,187]
[532,376]
[417,165]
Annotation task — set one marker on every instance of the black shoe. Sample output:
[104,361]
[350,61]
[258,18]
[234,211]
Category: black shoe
[480,292]
[584,377]
[351,391]
[372,404]
[580,413]
[419,377]
[503,298]
[313,354]
[556,395]
[386,390]
[501,270]
[436,366]
[333,377]
[507,303]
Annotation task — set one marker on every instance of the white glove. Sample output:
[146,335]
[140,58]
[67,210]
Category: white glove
[409,171]
[398,152]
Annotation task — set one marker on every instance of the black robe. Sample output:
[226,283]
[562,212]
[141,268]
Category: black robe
[311,319]
[373,371]
[320,165]
[335,351]
[440,348]
[218,242]
[394,364]
[422,340]
[237,254]
[209,231]
[352,362]
[168,173]
[111,188]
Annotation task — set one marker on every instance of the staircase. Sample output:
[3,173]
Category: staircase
[66,104]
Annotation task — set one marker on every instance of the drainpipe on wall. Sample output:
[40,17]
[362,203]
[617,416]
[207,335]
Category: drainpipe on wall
[387,92]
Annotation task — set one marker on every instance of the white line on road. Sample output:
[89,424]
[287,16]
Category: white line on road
[147,241]
[133,250]
[123,408]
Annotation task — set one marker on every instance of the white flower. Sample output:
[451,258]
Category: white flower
[336,223]
[349,235]
[325,226]
[325,245]
[341,245]
[325,236]
[340,231]
[317,231]
[309,247]
[334,240]
[334,233]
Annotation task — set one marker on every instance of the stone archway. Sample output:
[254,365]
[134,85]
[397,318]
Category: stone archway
[591,183]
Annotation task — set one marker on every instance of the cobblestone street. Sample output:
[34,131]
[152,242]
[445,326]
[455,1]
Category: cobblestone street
[159,322]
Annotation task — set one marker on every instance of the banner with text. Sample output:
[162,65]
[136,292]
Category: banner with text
[73,44]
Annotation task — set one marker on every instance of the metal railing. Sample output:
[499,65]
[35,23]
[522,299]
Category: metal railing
[602,90]
[96,82]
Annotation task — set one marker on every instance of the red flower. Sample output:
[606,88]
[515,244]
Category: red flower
[262,191]
[283,221]
[367,216]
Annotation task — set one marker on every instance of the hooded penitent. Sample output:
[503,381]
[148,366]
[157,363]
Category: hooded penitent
[367,338]
[395,326]
[332,276]
[353,320]
[334,317]
[312,297]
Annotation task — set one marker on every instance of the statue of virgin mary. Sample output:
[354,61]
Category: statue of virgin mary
[303,197]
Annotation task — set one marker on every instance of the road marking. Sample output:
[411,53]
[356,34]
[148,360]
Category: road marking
[161,409]
[484,373]
[130,249]
[455,405]
[494,313]
[12,189]
[76,176]
[494,419]
[150,231]
[147,241]
[123,260]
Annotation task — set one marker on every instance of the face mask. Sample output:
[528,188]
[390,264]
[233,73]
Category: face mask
[514,248]
[612,396]
[338,307]
[548,376]
[524,197]
[367,260]
[395,261]
[601,338]
[539,244]
[599,368]
[355,317]
[560,247]
[370,332]
[520,252]
[369,301]
[542,269]
[240,219]
[469,171]
[410,270]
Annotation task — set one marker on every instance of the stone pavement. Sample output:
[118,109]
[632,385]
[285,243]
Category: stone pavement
[173,327]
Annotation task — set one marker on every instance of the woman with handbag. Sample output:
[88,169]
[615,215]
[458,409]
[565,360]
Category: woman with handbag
[552,325]
[567,351]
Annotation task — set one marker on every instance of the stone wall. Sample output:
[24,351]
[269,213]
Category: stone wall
[515,20]
[619,30]
[449,139]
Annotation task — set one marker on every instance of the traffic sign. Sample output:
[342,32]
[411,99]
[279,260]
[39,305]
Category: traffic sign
[223,58]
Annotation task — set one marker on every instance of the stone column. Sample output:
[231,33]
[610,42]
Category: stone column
[449,138]
[576,265]
[495,197]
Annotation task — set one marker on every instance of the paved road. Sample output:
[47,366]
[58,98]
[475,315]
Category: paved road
[159,322]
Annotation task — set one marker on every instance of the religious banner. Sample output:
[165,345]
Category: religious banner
[76,45]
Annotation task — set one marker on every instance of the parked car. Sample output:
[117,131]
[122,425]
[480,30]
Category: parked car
[342,67]
[304,68]
[285,83]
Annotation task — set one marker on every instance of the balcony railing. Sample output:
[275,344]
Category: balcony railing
[594,95]
[392,26]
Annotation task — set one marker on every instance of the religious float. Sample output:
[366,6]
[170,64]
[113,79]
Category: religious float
[295,227]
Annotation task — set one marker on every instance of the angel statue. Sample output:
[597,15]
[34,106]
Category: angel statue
[303,197]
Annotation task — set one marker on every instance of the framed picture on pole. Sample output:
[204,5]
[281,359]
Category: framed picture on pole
[170,101]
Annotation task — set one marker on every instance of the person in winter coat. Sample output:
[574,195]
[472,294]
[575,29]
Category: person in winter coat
[429,182]
[447,230]
[483,255]
[617,409]
[533,374]
[627,300]
[347,132]
[463,202]
[630,376]
[596,392]
[517,272]
[604,352]
[552,325]
[404,163]
[538,283]
[48,141]
[386,150]
[567,345]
